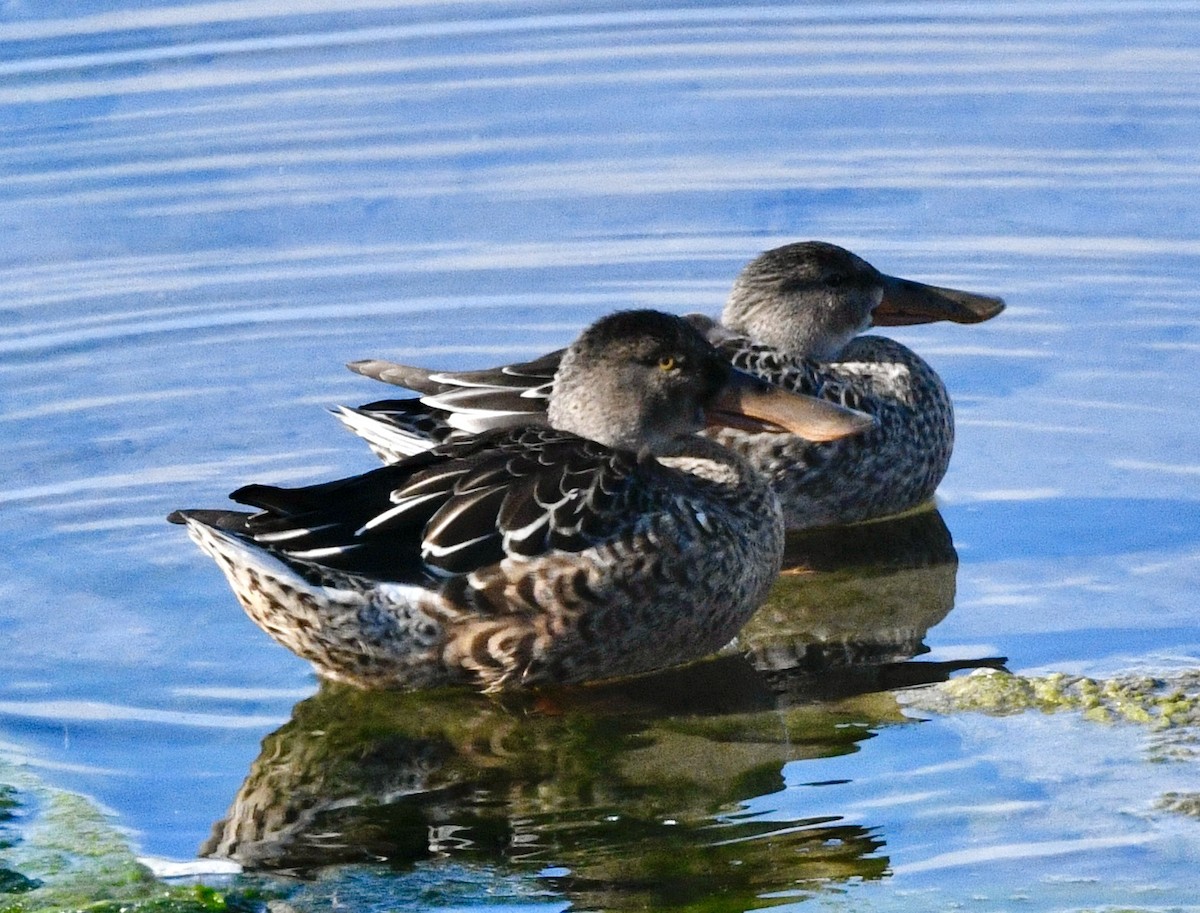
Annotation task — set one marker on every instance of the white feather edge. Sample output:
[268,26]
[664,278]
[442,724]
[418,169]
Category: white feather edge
[221,545]
[381,434]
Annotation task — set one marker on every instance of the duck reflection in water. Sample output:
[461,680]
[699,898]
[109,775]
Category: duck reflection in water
[635,789]
[858,596]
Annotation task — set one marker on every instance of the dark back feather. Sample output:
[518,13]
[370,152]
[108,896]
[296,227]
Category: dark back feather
[463,506]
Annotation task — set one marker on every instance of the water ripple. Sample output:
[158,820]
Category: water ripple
[1010,851]
[98,711]
[210,206]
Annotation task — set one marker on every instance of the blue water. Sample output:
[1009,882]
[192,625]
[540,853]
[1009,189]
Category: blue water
[209,208]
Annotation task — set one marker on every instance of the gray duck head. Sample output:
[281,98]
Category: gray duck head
[644,379]
[812,298]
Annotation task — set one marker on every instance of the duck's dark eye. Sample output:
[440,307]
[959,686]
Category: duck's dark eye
[833,280]
[667,362]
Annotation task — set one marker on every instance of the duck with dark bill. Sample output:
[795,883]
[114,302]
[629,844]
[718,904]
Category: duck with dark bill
[611,542]
[794,317]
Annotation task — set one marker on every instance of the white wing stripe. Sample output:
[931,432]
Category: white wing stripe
[454,380]
[526,531]
[401,506]
[432,549]
[464,505]
[313,554]
[284,535]
[478,421]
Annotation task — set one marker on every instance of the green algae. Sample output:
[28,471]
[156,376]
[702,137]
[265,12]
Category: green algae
[1168,706]
[1180,803]
[1160,703]
[59,852]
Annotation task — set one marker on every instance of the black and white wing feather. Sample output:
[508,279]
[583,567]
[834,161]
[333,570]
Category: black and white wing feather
[474,401]
[396,429]
[455,405]
[452,405]
[464,506]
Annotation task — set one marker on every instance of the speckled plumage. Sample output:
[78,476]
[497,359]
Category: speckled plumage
[529,555]
[793,318]
[674,566]
[888,469]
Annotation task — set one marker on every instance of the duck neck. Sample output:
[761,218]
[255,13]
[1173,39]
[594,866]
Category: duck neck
[796,335]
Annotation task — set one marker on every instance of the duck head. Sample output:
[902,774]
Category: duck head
[812,298]
[644,379]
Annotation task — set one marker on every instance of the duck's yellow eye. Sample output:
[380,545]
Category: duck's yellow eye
[667,362]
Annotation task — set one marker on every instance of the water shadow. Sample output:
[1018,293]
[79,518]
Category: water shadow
[859,597]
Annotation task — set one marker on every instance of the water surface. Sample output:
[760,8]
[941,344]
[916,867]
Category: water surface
[209,208]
